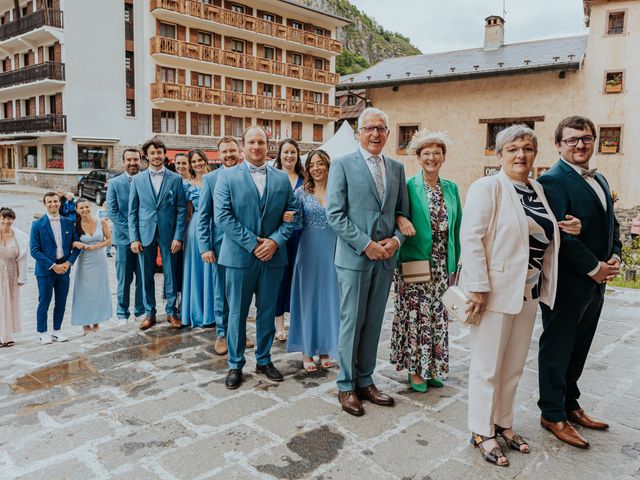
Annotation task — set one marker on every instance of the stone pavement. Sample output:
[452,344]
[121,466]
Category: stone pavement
[129,405]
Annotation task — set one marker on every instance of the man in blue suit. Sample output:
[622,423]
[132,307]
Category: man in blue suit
[366,190]
[249,202]
[118,211]
[157,218]
[52,238]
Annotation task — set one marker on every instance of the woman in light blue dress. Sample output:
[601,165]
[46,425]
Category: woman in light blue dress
[91,291]
[315,304]
[197,276]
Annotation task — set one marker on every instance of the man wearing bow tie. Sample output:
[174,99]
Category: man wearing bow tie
[249,202]
[157,218]
[586,263]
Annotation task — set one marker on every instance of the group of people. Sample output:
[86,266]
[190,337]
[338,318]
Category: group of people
[325,241]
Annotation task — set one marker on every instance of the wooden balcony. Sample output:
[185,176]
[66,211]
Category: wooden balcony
[39,18]
[40,123]
[216,14]
[32,73]
[218,56]
[224,98]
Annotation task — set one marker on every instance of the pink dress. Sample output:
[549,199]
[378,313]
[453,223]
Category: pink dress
[9,291]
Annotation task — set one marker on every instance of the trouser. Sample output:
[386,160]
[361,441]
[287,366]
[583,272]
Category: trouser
[363,300]
[48,285]
[126,265]
[220,305]
[147,261]
[499,346]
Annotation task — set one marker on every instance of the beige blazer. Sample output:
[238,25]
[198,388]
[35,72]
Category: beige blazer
[505,277]
[23,246]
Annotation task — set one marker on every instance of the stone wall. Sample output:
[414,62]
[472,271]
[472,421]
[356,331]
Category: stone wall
[625,216]
[51,181]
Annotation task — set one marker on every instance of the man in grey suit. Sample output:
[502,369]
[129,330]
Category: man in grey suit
[366,190]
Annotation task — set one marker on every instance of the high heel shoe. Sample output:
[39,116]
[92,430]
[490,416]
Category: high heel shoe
[435,382]
[418,387]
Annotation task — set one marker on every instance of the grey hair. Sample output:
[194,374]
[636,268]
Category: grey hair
[513,133]
[372,111]
[425,137]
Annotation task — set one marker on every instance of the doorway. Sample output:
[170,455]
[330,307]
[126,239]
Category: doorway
[7,167]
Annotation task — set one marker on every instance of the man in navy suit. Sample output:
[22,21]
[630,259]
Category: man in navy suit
[586,263]
[126,261]
[249,202]
[157,219]
[52,238]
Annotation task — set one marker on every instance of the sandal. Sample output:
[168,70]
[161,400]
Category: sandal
[494,455]
[516,442]
[326,362]
[310,366]
[2,345]
[281,335]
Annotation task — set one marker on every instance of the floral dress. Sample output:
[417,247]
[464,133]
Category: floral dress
[420,333]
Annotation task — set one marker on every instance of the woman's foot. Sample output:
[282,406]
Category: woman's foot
[489,449]
[417,382]
[309,365]
[512,439]
[86,329]
[281,334]
[435,383]
[96,327]
[326,362]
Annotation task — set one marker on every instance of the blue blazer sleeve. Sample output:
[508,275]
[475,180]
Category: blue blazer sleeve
[36,247]
[113,210]
[134,203]
[226,220]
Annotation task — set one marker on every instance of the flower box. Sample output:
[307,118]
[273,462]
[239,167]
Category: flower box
[613,88]
[608,149]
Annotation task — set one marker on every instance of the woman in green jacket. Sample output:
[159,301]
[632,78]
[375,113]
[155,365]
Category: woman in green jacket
[419,341]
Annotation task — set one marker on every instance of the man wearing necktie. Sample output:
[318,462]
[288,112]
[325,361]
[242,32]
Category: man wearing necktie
[366,190]
[586,263]
[157,219]
[52,237]
[249,202]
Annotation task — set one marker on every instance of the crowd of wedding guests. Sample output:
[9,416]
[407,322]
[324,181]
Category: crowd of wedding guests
[325,239]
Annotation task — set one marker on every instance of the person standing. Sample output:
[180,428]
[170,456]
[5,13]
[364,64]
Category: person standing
[127,264]
[51,242]
[365,191]
[586,263]
[157,216]
[249,203]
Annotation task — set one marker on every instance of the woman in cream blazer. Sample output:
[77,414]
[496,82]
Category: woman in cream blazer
[505,274]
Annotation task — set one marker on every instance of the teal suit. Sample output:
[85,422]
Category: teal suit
[243,216]
[358,216]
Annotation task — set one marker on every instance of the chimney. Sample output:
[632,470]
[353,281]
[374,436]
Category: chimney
[493,32]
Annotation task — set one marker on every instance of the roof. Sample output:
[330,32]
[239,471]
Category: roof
[299,4]
[517,58]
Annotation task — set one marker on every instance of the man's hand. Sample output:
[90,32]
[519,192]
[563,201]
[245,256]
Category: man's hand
[265,249]
[571,225]
[59,269]
[176,246]
[608,271]
[208,257]
[390,246]
[136,247]
[405,226]
[289,216]
[375,251]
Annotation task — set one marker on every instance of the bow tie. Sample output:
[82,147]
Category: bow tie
[156,174]
[589,173]
[253,169]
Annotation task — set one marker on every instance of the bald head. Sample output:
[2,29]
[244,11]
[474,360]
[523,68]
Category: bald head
[255,145]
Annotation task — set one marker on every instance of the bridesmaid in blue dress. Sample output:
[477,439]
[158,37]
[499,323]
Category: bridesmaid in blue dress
[91,291]
[288,160]
[315,304]
[197,277]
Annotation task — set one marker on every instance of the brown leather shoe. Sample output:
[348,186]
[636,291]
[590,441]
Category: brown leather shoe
[374,395]
[350,403]
[249,343]
[174,321]
[220,346]
[148,322]
[564,431]
[581,418]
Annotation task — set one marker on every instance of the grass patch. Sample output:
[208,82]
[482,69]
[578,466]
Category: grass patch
[621,282]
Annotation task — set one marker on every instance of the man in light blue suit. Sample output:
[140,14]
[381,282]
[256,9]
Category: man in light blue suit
[249,202]
[157,219]
[366,191]
[126,261]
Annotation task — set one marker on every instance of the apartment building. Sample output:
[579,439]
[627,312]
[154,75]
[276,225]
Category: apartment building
[83,80]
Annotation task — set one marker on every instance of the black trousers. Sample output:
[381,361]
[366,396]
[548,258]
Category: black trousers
[564,345]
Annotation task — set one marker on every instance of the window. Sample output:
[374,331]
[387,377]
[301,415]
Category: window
[237,127]
[167,75]
[128,13]
[267,125]
[296,131]
[616,23]
[204,80]
[237,85]
[237,45]
[270,53]
[319,31]
[296,59]
[92,157]
[352,100]
[319,63]
[267,90]
[167,30]
[130,107]
[54,156]
[613,82]
[269,17]
[296,94]
[494,127]
[129,72]
[317,98]
[28,156]
[318,133]
[610,140]
[405,134]
[168,122]
[205,38]
[296,25]
[204,124]
[237,8]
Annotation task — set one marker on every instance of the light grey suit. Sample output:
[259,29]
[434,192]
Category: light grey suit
[358,216]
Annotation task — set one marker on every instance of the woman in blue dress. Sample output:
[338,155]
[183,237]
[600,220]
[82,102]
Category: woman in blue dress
[197,276]
[91,291]
[315,304]
[288,160]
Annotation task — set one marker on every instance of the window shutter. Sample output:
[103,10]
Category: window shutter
[182,76]
[182,123]
[217,40]
[248,48]
[216,125]
[227,124]
[193,35]
[57,52]
[155,120]
[307,60]
[248,87]
[42,104]
[158,73]
[182,32]
[194,123]
[247,122]
[58,103]
[40,54]
[194,78]
[227,84]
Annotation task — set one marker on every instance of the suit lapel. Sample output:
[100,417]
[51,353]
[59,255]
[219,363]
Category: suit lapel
[48,228]
[244,171]
[268,187]
[509,191]
[163,186]
[577,178]
[364,167]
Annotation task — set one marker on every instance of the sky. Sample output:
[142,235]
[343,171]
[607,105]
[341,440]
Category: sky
[443,25]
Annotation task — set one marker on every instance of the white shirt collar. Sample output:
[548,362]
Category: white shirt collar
[577,168]
[367,154]
[51,217]
[162,169]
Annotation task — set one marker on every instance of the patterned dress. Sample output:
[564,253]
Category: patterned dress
[420,333]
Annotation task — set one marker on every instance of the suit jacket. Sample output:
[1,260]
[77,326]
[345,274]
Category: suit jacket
[238,213]
[505,277]
[118,208]
[165,213]
[355,212]
[209,235]
[43,244]
[570,194]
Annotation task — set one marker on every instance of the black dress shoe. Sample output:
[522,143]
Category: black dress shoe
[234,378]
[270,371]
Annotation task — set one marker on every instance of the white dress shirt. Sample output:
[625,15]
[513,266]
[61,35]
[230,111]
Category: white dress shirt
[156,180]
[260,179]
[57,234]
[371,165]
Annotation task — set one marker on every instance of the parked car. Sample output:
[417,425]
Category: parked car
[94,184]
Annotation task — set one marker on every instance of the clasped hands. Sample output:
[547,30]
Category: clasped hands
[61,268]
[265,249]
[136,247]
[608,271]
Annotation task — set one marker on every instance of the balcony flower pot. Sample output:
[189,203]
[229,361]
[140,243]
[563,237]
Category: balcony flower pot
[608,149]
[613,88]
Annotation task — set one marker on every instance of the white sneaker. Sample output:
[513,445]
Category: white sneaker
[58,336]
[45,338]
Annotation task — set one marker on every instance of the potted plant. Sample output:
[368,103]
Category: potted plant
[610,145]
[614,83]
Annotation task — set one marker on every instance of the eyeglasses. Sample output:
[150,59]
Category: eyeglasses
[431,154]
[381,129]
[512,152]
[573,141]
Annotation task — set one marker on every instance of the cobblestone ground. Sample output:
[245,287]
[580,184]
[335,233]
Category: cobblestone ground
[129,405]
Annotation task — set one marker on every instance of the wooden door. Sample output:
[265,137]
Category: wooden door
[7,167]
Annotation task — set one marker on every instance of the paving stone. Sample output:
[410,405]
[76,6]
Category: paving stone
[455,470]
[289,419]
[454,415]
[89,404]
[230,410]
[136,473]
[156,409]
[15,428]
[353,466]
[69,470]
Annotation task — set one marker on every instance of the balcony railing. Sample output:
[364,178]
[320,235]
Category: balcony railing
[40,18]
[247,22]
[33,73]
[204,53]
[187,93]
[40,123]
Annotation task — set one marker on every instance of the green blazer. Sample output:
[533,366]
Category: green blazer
[419,247]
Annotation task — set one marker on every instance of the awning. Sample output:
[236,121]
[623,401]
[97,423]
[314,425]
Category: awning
[15,142]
